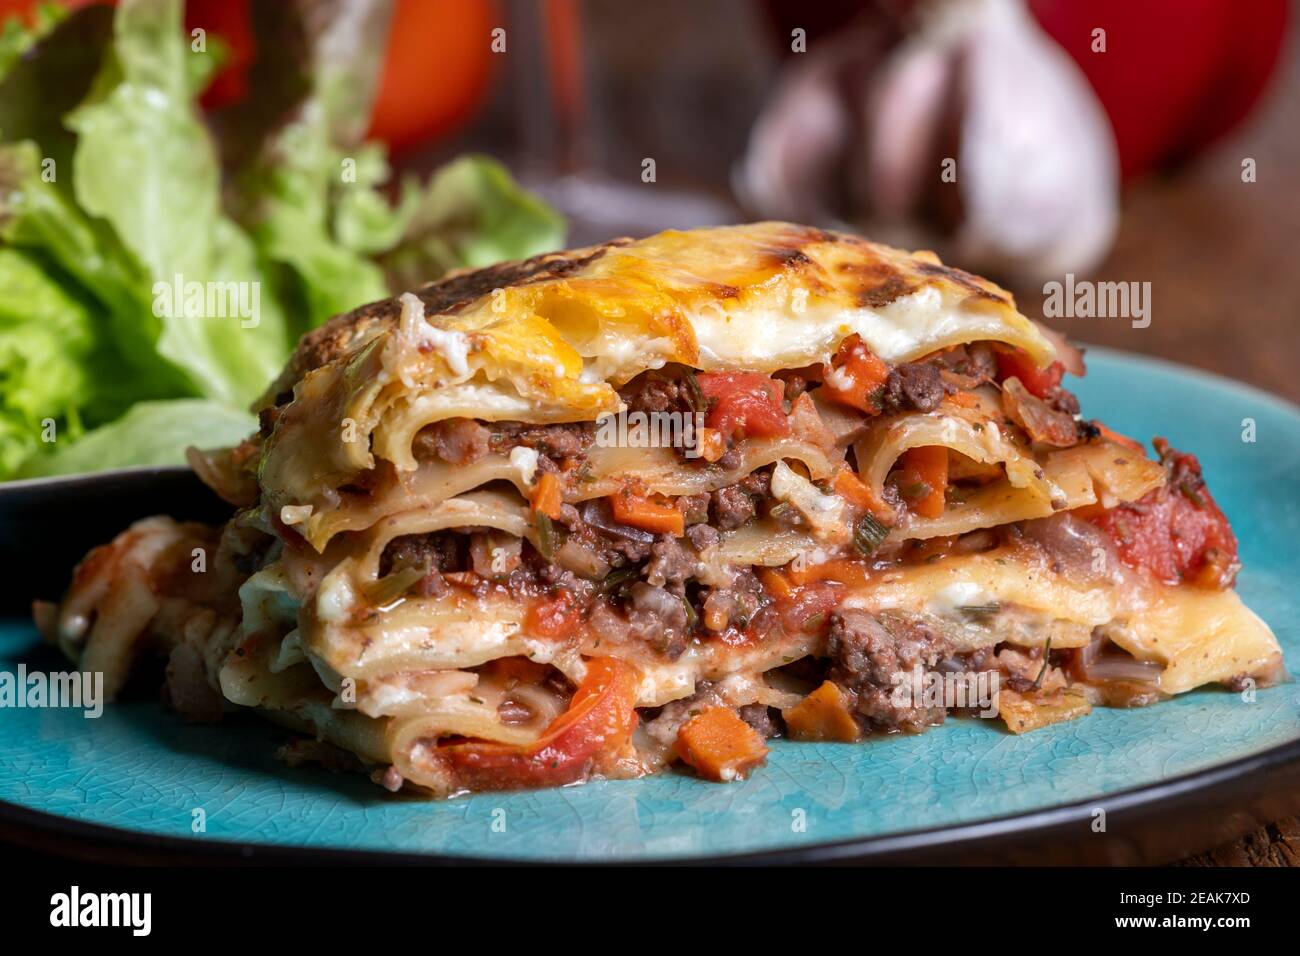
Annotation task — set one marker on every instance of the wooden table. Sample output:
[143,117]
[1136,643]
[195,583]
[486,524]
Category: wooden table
[1223,259]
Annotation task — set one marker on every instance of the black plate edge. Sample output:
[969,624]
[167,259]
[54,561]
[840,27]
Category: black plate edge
[1151,824]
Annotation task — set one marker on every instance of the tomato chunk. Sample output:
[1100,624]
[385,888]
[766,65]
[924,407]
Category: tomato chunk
[744,402]
[1177,531]
[1016,363]
[599,720]
[554,617]
[856,377]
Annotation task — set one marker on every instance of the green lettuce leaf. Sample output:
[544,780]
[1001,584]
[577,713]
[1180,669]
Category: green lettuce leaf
[302,139]
[46,337]
[17,36]
[145,164]
[151,433]
[472,214]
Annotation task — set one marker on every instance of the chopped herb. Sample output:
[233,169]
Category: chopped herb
[979,610]
[387,590]
[815,622]
[1047,650]
[618,579]
[868,535]
[917,489]
[692,618]
[695,394]
[477,700]
[548,539]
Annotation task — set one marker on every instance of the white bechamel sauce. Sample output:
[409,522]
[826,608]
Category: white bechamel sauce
[825,513]
[453,346]
[947,601]
[524,460]
[295,514]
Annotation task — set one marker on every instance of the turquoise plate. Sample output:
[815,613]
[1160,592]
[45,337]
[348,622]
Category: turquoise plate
[147,775]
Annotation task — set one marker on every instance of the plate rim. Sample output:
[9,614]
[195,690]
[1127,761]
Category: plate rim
[965,837]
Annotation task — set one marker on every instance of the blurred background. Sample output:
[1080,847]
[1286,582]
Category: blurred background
[327,153]
[1162,149]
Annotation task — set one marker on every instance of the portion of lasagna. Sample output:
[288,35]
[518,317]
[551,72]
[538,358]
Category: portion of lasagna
[601,511]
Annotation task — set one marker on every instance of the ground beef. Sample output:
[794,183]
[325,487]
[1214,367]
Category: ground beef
[917,386]
[458,441]
[977,363]
[695,508]
[657,391]
[650,616]
[868,651]
[734,505]
[438,550]
[570,440]
[671,563]
[611,548]
[703,536]
[741,602]
[731,507]
[760,718]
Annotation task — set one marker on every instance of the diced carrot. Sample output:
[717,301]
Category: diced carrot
[1119,439]
[859,494]
[822,715]
[844,570]
[776,583]
[546,496]
[855,376]
[641,512]
[964,399]
[930,465]
[719,745]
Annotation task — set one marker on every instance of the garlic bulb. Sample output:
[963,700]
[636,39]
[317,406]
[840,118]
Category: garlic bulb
[973,133]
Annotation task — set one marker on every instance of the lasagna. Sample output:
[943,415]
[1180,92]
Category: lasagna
[654,502]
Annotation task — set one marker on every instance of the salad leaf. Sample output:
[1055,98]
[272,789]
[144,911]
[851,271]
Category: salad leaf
[17,37]
[139,129]
[46,336]
[472,213]
[156,265]
[151,433]
[302,137]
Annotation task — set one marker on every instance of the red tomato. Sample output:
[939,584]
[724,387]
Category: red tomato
[555,616]
[229,20]
[600,718]
[1176,532]
[808,609]
[748,402]
[1016,363]
[1170,80]
[436,70]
